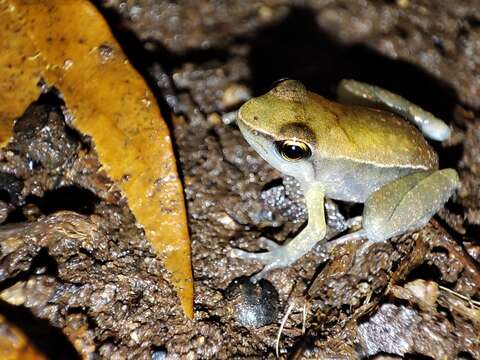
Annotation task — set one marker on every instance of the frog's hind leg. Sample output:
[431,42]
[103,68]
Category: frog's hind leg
[357,93]
[407,204]
[403,205]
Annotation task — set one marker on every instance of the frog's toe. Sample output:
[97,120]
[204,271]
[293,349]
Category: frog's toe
[272,259]
[264,257]
[242,254]
[261,274]
[269,259]
[267,244]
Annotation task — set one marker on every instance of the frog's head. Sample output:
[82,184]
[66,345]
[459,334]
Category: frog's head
[276,126]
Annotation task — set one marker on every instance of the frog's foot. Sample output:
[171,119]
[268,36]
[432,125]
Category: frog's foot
[276,257]
[279,256]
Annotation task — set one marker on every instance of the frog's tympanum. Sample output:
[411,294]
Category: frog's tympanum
[349,153]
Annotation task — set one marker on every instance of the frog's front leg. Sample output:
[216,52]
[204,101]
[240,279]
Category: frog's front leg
[280,256]
[403,205]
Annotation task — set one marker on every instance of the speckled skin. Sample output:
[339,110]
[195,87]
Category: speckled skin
[358,154]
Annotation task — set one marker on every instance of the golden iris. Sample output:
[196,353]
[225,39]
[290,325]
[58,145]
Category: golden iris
[293,150]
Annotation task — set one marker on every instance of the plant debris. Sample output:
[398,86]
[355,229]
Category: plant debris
[72,257]
[116,110]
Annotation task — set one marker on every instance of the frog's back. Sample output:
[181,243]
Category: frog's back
[367,135]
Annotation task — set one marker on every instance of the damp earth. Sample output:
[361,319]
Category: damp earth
[80,279]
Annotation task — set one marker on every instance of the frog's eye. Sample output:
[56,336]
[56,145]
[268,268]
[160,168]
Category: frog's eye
[293,150]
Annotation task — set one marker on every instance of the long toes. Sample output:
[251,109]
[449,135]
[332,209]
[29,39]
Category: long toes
[267,244]
[260,275]
[237,253]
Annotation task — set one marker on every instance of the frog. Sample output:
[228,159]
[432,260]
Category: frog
[370,147]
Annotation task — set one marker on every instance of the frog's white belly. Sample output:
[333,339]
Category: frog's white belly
[347,180]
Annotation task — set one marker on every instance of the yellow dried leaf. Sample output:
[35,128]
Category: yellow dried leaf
[70,46]
[20,69]
[14,345]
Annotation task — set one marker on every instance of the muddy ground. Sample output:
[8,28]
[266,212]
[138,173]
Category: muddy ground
[81,280]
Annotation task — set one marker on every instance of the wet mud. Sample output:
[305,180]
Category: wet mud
[74,265]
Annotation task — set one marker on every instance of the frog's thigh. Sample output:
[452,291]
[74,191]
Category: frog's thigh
[408,203]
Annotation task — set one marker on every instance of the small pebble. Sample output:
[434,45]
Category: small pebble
[265,12]
[10,188]
[235,94]
[214,119]
[31,212]
[252,304]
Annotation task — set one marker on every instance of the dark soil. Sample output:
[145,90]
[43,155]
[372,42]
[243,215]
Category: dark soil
[74,265]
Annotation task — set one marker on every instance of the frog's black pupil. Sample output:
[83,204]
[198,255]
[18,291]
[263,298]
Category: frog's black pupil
[293,151]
